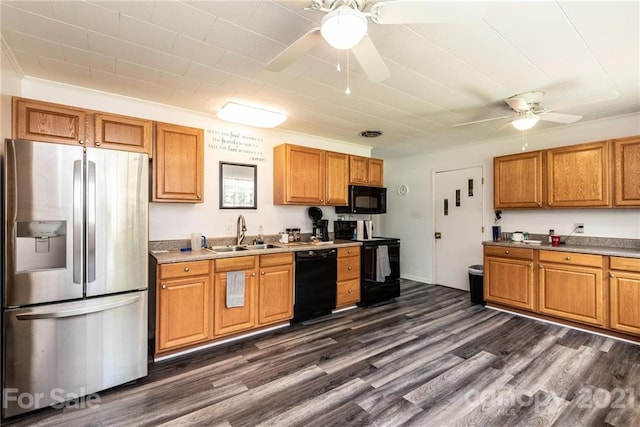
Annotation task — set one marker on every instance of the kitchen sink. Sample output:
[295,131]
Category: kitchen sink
[261,246]
[227,248]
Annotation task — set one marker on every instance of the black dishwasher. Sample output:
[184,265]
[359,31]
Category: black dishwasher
[315,283]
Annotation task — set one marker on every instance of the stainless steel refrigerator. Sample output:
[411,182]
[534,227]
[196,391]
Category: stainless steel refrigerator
[75,256]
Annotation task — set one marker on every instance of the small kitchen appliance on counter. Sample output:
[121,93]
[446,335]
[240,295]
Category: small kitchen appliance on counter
[320,226]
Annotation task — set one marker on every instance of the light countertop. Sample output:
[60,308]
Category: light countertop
[171,256]
[583,249]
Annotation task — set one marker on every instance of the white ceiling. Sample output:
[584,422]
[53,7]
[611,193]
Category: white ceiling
[200,54]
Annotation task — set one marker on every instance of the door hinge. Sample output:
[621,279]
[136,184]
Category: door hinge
[482,180]
[483,228]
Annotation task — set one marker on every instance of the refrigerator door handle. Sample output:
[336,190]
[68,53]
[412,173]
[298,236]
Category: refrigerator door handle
[78,214]
[77,311]
[91,221]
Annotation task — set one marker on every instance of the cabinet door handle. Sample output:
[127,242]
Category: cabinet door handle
[80,142]
[612,275]
[540,267]
[198,196]
[98,143]
[164,286]
[568,258]
[349,267]
[186,269]
[530,264]
[349,251]
[350,290]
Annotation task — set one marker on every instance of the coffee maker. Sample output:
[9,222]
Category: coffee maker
[321,229]
[320,226]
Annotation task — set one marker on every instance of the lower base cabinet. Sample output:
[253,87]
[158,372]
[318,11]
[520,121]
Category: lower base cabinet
[509,277]
[275,288]
[348,277]
[184,313]
[624,295]
[228,320]
[571,286]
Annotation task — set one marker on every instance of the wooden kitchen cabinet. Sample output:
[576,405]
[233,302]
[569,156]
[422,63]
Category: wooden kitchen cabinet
[624,294]
[228,320]
[578,175]
[43,121]
[184,305]
[366,171]
[48,122]
[509,277]
[626,153]
[571,286]
[123,133]
[178,166]
[309,176]
[275,288]
[518,180]
[348,276]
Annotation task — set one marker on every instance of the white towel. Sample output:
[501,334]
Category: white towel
[235,289]
[383,269]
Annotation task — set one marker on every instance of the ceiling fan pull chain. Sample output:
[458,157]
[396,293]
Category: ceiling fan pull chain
[348,91]
[338,67]
[524,141]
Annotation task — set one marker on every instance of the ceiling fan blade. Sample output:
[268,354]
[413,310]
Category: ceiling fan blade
[484,120]
[517,104]
[370,60]
[295,51]
[425,12]
[559,118]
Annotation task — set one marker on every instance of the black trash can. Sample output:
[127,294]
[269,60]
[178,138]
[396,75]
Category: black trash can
[476,285]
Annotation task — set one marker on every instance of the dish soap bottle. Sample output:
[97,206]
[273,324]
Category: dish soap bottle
[260,239]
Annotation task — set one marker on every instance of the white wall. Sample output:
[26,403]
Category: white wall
[169,221]
[411,218]
[10,82]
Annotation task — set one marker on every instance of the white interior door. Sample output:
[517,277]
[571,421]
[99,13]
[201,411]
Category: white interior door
[458,225]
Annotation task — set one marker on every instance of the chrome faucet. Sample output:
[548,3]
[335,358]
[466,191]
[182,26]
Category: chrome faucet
[242,227]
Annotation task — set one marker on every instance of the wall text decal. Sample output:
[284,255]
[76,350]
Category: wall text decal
[246,145]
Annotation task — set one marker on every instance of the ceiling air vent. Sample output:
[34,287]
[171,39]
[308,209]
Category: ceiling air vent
[370,133]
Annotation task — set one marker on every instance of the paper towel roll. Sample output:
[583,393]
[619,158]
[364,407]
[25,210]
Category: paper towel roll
[360,230]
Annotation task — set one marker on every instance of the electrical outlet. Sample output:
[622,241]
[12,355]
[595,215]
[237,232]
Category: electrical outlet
[228,229]
[578,227]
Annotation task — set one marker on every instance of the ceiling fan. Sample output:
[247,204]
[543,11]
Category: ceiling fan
[345,27]
[527,111]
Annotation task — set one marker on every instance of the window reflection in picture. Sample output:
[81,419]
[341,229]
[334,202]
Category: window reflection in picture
[238,186]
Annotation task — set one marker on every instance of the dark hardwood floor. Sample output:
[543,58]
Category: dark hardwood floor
[430,358]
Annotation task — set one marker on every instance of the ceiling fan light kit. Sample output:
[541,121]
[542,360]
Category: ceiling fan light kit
[251,115]
[344,27]
[526,122]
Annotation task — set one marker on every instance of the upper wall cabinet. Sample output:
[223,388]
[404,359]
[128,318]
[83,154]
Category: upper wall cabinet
[626,153]
[517,180]
[309,176]
[123,133]
[178,166]
[44,121]
[366,171]
[578,175]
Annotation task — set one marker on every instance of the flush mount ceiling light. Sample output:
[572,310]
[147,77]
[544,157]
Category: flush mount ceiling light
[525,122]
[250,115]
[344,27]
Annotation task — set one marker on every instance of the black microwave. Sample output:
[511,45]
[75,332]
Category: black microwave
[365,200]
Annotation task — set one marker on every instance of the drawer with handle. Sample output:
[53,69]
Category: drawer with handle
[508,252]
[571,258]
[184,269]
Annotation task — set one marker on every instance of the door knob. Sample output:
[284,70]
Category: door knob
[437,235]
